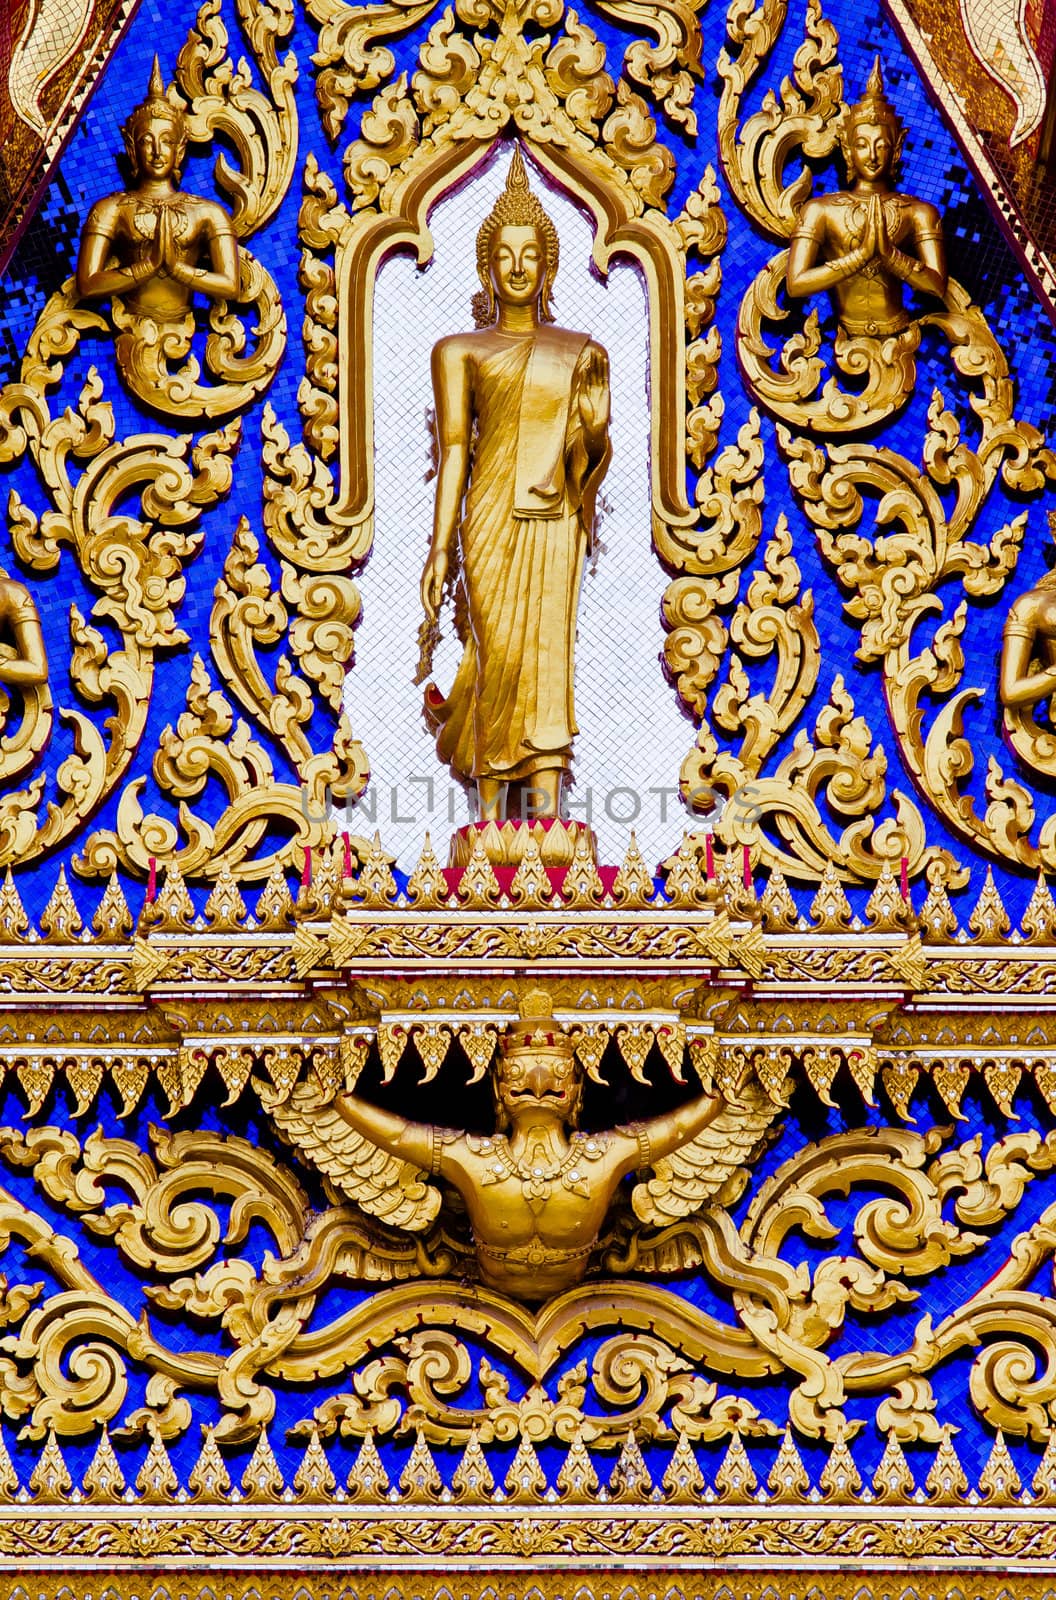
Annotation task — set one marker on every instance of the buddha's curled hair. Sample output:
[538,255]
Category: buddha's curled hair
[516,207]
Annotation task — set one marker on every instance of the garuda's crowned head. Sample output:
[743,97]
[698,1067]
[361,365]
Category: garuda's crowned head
[537,1076]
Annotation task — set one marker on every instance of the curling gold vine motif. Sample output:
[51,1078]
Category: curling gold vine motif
[54,1375]
[136,563]
[893,579]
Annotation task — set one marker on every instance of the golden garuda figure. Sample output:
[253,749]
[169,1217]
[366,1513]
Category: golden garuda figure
[522,423]
[863,243]
[147,244]
[536,1196]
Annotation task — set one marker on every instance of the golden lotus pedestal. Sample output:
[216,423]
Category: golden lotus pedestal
[505,843]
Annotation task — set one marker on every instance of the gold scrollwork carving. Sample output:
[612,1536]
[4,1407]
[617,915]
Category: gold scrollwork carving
[892,579]
[650,1387]
[136,563]
[786,1316]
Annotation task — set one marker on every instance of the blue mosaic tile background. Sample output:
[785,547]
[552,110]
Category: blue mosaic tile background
[933,168]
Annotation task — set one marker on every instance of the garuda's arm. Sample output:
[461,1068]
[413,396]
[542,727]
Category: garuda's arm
[658,1137]
[417,1143]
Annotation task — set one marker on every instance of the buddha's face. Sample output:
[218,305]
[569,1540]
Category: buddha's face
[518,263]
[872,149]
[538,1084]
[158,148]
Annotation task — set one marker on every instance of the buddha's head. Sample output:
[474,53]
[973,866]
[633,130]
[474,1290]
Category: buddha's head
[537,1077]
[517,250]
[156,132]
[872,134]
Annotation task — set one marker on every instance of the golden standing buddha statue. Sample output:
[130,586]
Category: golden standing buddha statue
[157,234]
[522,415]
[864,243]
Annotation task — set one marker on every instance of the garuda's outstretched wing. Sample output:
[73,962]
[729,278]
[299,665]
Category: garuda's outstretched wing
[353,1167]
[709,1164]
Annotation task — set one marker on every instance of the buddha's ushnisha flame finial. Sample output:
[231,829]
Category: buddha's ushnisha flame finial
[517,178]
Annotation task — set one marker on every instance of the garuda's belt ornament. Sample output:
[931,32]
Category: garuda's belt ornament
[537,1194]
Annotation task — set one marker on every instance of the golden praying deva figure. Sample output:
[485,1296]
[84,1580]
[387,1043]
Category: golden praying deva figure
[852,243]
[1028,672]
[1028,654]
[157,233]
[537,1192]
[23,660]
[522,416]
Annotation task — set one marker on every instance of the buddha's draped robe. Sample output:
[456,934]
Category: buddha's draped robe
[525,529]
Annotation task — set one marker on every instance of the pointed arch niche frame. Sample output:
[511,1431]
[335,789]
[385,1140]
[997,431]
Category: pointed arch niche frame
[423,138]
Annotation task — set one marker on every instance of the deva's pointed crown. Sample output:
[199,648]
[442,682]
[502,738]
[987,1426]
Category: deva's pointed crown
[516,207]
[874,107]
[159,102]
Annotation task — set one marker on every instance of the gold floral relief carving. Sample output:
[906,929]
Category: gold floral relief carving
[135,562]
[937,1202]
[786,813]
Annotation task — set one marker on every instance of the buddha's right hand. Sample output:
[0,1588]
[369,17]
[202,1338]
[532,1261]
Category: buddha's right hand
[433,579]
